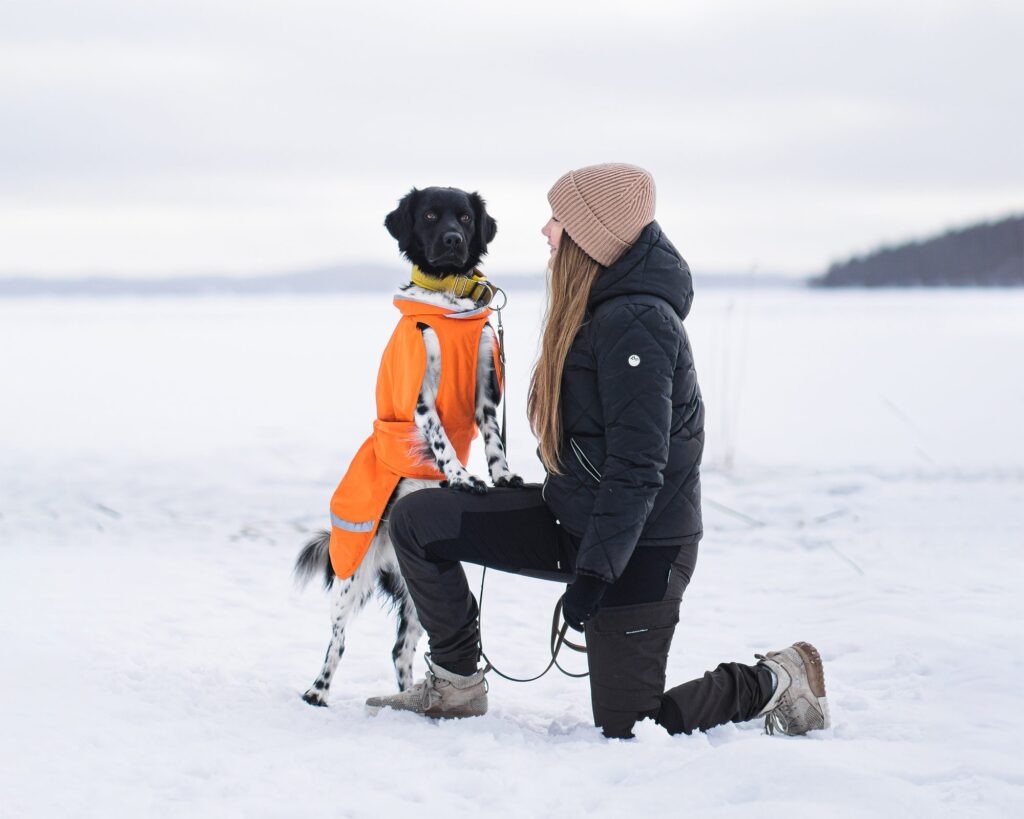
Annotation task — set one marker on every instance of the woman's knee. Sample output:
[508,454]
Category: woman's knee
[419,518]
[401,520]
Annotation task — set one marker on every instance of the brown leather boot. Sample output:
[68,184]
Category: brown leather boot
[799,704]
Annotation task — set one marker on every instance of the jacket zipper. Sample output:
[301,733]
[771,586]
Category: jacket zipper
[588,467]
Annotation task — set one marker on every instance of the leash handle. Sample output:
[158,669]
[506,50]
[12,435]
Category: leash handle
[577,647]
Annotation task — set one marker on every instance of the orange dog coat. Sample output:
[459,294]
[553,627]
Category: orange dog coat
[394,450]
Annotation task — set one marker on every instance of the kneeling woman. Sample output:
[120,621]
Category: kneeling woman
[616,408]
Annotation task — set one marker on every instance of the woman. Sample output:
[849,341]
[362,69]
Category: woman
[616,408]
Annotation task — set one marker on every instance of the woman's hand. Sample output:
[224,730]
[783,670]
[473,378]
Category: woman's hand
[582,600]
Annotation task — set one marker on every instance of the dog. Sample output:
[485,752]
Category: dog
[444,232]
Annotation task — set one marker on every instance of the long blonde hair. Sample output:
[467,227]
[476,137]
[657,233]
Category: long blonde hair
[572,275]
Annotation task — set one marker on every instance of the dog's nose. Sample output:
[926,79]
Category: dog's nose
[453,240]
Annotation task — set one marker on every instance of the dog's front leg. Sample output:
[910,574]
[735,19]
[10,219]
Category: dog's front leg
[488,395]
[429,423]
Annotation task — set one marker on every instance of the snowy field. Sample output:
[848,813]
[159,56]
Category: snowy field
[162,461]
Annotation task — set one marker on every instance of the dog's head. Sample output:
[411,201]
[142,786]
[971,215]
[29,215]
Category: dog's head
[442,230]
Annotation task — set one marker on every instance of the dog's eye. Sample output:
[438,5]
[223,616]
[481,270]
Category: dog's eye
[465,218]
[430,216]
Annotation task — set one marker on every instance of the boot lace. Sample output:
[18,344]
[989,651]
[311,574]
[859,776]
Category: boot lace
[774,720]
[431,683]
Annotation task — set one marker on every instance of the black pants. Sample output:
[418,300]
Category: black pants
[512,530]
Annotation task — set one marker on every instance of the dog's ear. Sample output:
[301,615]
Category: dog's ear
[400,221]
[486,227]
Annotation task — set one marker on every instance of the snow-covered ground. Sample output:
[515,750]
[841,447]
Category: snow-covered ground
[162,461]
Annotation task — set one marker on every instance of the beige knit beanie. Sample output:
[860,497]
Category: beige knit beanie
[604,207]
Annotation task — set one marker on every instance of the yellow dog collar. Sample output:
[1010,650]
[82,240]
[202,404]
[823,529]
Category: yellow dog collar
[474,286]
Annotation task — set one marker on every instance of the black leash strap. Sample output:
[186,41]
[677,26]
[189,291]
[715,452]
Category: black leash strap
[557,641]
[557,634]
[501,362]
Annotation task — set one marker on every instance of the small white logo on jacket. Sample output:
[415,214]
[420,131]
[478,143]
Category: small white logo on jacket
[634,360]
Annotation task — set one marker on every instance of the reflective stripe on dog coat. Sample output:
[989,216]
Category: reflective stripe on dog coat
[395,449]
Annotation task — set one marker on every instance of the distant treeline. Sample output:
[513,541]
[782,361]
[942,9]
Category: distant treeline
[989,254]
[345,278]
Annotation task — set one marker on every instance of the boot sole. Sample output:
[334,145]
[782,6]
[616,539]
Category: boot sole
[474,708]
[815,671]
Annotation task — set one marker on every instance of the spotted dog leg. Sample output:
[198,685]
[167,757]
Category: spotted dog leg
[488,394]
[348,597]
[406,639]
[408,631]
[436,443]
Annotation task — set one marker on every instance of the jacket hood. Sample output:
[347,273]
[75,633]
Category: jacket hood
[652,266]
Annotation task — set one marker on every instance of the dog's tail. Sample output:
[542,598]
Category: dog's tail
[315,558]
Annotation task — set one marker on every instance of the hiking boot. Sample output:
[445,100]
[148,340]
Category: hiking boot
[798,704]
[443,695]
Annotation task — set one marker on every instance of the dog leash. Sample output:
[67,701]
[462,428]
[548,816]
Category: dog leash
[558,638]
[501,356]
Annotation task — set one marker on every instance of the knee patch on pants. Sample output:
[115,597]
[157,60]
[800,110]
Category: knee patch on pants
[627,650]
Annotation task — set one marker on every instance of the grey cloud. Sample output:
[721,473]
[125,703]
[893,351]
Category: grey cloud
[237,105]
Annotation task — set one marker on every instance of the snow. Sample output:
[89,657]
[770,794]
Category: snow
[162,461]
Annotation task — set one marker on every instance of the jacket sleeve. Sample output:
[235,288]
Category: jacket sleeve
[635,346]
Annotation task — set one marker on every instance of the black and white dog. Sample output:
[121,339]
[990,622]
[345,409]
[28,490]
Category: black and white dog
[443,231]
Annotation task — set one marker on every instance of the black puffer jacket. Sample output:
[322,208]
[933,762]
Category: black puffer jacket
[632,414]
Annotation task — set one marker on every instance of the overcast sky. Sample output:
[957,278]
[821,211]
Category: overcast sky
[247,135]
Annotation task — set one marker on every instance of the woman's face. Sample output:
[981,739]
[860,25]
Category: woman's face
[553,233]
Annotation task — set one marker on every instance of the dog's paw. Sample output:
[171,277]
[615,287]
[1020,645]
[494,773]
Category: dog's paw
[469,483]
[314,697]
[511,481]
